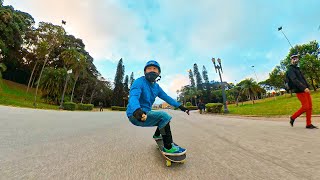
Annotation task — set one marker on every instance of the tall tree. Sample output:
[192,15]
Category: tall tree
[126,85]
[14,26]
[118,91]
[205,74]
[131,79]
[77,62]
[191,78]
[50,36]
[198,76]
[126,89]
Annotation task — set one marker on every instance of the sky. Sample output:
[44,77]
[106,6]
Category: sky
[179,33]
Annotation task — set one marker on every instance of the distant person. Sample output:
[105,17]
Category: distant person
[299,85]
[101,106]
[201,106]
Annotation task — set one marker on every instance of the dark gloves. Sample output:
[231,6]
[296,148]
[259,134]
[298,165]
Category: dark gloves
[184,109]
[138,114]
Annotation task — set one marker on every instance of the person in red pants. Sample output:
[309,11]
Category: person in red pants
[300,86]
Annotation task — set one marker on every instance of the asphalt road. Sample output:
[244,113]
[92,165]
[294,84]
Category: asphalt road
[41,144]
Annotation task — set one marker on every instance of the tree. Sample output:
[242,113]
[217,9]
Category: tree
[131,79]
[126,85]
[205,74]
[52,84]
[198,76]
[126,88]
[206,85]
[118,91]
[77,62]
[50,36]
[250,88]
[3,68]
[191,78]
[14,26]
[276,78]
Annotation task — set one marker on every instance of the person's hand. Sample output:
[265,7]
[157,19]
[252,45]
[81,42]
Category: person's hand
[144,117]
[307,90]
[184,109]
[140,115]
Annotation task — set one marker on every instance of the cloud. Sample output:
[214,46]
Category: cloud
[108,30]
[171,83]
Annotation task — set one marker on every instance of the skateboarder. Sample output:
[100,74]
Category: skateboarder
[142,95]
[300,87]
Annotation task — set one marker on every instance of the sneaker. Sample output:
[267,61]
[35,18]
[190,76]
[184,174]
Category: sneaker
[311,127]
[174,151]
[157,137]
[181,149]
[291,121]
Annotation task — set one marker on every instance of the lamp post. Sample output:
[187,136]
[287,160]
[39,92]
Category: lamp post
[280,29]
[64,89]
[255,73]
[219,70]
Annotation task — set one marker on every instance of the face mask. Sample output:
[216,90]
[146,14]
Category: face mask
[151,76]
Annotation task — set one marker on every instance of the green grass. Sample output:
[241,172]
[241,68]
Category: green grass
[279,106]
[14,94]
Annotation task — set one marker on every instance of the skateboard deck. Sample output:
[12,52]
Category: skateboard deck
[170,158]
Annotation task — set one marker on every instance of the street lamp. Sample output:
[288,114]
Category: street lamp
[255,73]
[64,89]
[280,29]
[218,69]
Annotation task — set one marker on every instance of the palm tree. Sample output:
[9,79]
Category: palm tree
[77,62]
[250,88]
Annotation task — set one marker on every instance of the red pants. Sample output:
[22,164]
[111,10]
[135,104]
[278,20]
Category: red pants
[306,106]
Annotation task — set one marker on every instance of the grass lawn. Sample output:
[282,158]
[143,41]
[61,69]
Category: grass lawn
[14,94]
[279,106]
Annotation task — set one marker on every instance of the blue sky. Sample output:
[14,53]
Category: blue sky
[179,33]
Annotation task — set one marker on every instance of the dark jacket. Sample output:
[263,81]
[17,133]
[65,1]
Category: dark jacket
[298,82]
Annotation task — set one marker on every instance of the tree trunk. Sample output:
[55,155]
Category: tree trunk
[74,85]
[91,97]
[35,97]
[84,92]
[93,92]
[34,68]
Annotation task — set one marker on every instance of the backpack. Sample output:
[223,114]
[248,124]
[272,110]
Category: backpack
[287,83]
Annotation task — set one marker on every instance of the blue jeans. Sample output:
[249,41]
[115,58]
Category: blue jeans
[154,118]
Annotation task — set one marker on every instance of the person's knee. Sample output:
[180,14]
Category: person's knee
[164,115]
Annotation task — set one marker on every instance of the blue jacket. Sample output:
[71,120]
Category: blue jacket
[143,94]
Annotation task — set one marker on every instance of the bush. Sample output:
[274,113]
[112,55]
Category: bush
[85,107]
[214,107]
[188,104]
[192,107]
[118,108]
[71,106]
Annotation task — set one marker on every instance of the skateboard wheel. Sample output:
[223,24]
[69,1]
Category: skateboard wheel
[182,162]
[168,163]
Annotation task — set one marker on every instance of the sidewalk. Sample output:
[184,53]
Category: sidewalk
[315,117]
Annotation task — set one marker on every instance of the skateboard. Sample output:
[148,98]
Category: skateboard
[169,159]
